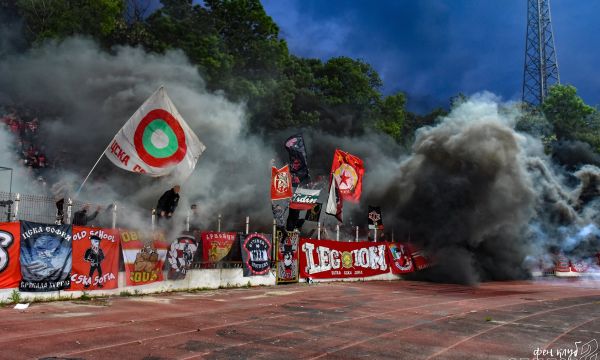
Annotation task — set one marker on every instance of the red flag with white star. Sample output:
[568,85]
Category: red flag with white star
[348,171]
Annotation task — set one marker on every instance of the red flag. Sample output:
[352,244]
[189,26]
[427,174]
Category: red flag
[10,252]
[281,183]
[348,171]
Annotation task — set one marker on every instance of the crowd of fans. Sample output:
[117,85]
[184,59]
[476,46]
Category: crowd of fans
[24,125]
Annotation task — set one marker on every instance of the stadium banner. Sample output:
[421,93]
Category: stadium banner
[256,253]
[181,255]
[45,257]
[95,259]
[144,254]
[400,258]
[328,259]
[287,256]
[216,246]
[10,251]
[305,199]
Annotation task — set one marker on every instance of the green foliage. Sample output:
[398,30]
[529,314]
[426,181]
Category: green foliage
[566,112]
[15,297]
[85,296]
[58,19]
[392,115]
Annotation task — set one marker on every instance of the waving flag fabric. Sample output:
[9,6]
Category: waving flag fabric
[156,140]
[348,171]
[298,164]
[334,201]
[281,183]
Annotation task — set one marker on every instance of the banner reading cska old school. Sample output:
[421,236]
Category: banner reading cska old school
[45,257]
[216,245]
[95,259]
[256,253]
[287,256]
[144,254]
[180,256]
[156,140]
[326,259]
[10,267]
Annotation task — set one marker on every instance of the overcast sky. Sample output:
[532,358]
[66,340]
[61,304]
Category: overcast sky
[433,49]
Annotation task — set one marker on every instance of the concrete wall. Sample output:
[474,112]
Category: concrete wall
[195,279]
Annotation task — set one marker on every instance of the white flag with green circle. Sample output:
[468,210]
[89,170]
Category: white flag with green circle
[156,140]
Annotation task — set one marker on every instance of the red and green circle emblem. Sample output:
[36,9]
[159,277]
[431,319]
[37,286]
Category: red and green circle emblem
[159,139]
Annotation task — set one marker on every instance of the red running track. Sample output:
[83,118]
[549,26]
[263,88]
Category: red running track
[373,320]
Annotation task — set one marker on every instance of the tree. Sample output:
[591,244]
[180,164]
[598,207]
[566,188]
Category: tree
[566,112]
[62,18]
[392,115]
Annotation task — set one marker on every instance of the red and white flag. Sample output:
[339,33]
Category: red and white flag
[348,171]
[156,140]
[281,183]
[334,201]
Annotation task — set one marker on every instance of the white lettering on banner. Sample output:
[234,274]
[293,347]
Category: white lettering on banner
[29,233]
[330,259]
[81,235]
[324,258]
[335,259]
[308,249]
[6,239]
[377,258]
[86,280]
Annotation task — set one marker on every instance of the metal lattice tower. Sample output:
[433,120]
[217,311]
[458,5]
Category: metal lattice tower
[541,66]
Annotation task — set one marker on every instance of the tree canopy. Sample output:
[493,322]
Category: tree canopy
[237,49]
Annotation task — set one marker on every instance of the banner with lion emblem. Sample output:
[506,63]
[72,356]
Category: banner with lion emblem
[144,254]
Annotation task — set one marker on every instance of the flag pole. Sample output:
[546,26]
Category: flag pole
[90,173]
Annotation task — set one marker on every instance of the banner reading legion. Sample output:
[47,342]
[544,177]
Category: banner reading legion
[326,259]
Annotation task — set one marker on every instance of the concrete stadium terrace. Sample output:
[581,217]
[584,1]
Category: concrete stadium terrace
[353,320]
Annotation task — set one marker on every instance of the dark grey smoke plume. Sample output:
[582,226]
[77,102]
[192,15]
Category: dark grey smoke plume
[483,200]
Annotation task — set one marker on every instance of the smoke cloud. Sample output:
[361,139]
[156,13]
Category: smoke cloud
[479,197]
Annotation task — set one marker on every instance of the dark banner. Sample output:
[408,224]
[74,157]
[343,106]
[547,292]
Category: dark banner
[10,267]
[287,256]
[256,253]
[314,214]
[400,259]
[95,258]
[375,217]
[218,246]
[45,257]
[326,259]
[180,256]
[298,164]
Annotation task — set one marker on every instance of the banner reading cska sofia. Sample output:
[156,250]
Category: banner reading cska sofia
[45,257]
[144,254]
[326,259]
[256,253]
[95,259]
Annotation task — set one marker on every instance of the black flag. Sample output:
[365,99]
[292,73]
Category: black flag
[314,214]
[298,164]
[375,217]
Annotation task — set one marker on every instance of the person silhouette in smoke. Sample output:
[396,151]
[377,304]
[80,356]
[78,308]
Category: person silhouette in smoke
[94,255]
[168,203]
